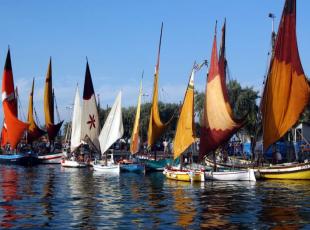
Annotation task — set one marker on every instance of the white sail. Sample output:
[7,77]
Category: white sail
[90,117]
[113,127]
[76,121]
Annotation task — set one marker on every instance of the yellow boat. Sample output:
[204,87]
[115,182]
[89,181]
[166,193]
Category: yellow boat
[184,175]
[291,171]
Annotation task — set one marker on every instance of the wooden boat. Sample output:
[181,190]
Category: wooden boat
[113,168]
[112,131]
[286,94]
[129,166]
[67,163]
[184,174]
[156,165]
[231,175]
[296,171]
[13,128]
[52,158]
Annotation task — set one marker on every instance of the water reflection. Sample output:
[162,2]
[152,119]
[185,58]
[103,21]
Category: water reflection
[9,187]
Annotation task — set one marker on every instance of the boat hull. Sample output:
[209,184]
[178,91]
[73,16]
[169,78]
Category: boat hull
[236,175]
[156,166]
[184,175]
[25,159]
[54,158]
[73,164]
[286,172]
[133,167]
[107,168]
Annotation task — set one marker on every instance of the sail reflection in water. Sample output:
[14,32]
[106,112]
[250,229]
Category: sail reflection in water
[52,197]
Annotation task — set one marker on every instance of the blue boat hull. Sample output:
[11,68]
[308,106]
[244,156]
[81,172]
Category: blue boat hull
[26,159]
[137,168]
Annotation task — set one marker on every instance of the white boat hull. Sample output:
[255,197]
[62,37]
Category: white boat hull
[107,168]
[73,164]
[51,158]
[241,175]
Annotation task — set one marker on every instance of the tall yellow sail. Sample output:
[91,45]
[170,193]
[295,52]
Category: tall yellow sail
[156,126]
[51,128]
[135,140]
[34,131]
[185,131]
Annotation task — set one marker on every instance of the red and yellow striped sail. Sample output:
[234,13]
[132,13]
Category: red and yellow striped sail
[135,139]
[13,129]
[218,124]
[156,126]
[287,90]
[51,128]
[34,132]
[185,131]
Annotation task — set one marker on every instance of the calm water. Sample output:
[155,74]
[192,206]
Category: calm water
[52,197]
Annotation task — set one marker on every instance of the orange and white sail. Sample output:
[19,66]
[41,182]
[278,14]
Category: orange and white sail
[185,131]
[13,129]
[51,128]
[135,138]
[90,118]
[218,124]
[286,92]
[156,126]
[34,132]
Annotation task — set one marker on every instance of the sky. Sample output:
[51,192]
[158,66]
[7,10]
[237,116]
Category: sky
[120,40]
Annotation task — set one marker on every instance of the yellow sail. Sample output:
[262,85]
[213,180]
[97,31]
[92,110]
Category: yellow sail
[156,126]
[51,128]
[34,131]
[135,140]
[184,135]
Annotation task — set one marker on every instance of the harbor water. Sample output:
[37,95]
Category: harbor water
[52,197]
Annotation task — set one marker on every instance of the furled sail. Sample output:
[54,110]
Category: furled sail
[76,121]
[34,132]
[51,128]
[113,127]
[90,118]
[217,122]
[185,131]
[14,128]
[135,139]
[286,92]
[156,126]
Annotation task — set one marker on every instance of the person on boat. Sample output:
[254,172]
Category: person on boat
[278,157]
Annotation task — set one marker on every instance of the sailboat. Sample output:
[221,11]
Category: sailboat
[130,166]
[13,129]
[156,127]
[53,155]
[185,137]
[85,123]
[112,131]
[218,123]
[286,94]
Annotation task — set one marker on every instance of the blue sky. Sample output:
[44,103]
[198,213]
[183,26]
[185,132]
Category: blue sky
[120,39]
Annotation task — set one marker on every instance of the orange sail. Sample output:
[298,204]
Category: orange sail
[34,132]
[51,128]
[135,140]
[286,91]
[185,131]
[156,126]
[217,123]
[14,128]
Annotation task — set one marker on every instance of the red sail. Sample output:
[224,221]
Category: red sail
[217,123]
[14,127]
[287,90]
